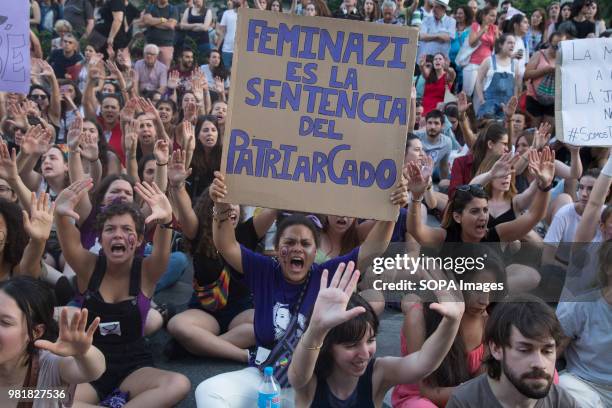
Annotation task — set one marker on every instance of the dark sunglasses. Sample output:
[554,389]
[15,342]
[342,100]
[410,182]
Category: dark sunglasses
[472,188]
[37,97]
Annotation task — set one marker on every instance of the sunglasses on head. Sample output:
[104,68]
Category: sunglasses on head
[472,188]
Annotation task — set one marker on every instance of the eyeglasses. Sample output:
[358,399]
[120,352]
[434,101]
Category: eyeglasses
[5,189]
[36,97]
[472,188]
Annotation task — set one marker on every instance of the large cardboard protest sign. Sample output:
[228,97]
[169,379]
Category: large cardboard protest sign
[583,101]
[318,114]
[15,46]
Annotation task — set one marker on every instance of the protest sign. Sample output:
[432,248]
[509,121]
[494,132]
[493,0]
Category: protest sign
[583,100]
[15,47]
[318,114]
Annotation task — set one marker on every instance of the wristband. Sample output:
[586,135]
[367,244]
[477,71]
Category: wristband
[546,189]
[167,225]
[161,164]
[311,348]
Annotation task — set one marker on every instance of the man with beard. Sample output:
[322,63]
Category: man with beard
[522,335]
[180,75]
[437,145]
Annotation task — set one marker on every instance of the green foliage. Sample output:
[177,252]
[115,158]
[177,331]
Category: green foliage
[45,38]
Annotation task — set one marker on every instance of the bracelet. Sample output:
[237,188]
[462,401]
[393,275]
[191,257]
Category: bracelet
[546,189]
[161,164]
[167,225]
[311,348]
[417,200]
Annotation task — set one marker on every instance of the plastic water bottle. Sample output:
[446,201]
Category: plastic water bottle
[269,391]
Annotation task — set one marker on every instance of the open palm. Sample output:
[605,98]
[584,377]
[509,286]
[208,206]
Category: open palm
[161,210]
[67,200]
[38,223]
[73,339]
[176,168]
[330,307]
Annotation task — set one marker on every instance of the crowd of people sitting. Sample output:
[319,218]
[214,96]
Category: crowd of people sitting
[111,189]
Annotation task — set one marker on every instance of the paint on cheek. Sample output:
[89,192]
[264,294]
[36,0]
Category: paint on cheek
[284,252]
[132,241]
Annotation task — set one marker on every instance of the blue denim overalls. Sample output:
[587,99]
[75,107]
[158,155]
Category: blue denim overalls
[499,91]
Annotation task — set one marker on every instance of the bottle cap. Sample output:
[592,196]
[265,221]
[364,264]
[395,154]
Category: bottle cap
[268,371]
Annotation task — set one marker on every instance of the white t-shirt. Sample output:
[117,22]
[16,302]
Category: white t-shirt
[563,230]
[229,22]
[520,45]
[49,377]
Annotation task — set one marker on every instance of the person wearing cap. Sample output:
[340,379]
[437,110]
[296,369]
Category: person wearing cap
[437,31]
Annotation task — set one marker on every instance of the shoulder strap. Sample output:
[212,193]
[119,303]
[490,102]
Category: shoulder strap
[98,274]
[135,276]
[543,55]
[31,379]
[494,62]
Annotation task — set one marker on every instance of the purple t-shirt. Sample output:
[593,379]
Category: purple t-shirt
[274,297]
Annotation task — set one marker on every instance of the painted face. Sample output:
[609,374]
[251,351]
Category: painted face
[14,337]
[415,152]
[500,147]
[208,135]
[352,359]
[220,111]
[148,173]
[119,239]
[476,302]
[528,364]
[146,131]
[584,189]
[473,219]
[433,127]
[110,110]
[296,251]
[339,225]
[53,164]
[119,190]
[7,193]
[165,113]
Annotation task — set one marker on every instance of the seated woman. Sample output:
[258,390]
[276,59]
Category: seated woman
[30,357]
[467,215]
[333,364]
[117,285]
[463,361]
[219,321]
[284,291]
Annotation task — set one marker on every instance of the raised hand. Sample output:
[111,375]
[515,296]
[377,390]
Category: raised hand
[427,167]
[31,108]
[417,182]
[129,110]
[18,115]
[161,210]
[510,108]
[8,163]
[173,79]
[219,85]
[73,137]
[330,307]
[462,103]
[541,135]
[504,165]
[218,189]
[450,302]
[89,147]
[131,137]
[67,200]
[36,140]
[73,340]
[161,151]
[176,168]
[188,137]
[38,223]
[542,165]
[190,113]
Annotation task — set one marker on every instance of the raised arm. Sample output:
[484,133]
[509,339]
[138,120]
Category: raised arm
[464,121]
[329,311]
[9,172]
[590,217]
[55,98]
[543,165]
[37,225]
[161,151]
[224,235]
[35,143]
[574,170]
[480,78]
[161,213]
[417,184]
[378,239]
[179,197]
[81,260]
